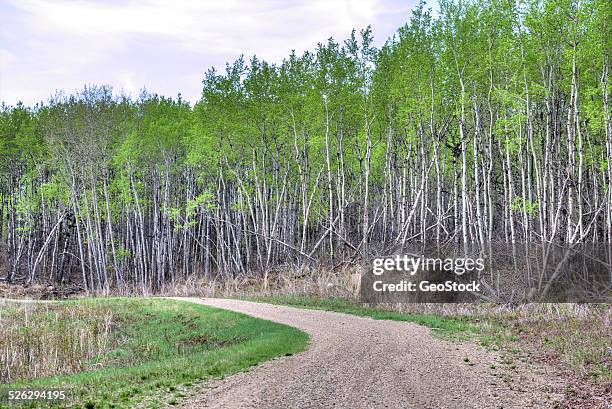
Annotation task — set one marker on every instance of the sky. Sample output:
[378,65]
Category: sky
[165,46]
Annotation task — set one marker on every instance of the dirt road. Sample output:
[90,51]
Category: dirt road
[356,363]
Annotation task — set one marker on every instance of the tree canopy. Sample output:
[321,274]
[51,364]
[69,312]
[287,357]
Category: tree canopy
[489,122]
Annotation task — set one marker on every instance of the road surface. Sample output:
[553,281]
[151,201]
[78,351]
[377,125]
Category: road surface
[355,362]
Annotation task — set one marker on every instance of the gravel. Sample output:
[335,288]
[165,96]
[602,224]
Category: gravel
[355,362]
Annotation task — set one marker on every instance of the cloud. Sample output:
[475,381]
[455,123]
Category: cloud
[163,45]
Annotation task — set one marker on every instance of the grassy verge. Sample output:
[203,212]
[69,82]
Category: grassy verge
[459,328]
[161,347]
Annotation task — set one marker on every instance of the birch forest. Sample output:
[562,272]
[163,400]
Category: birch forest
[482,124]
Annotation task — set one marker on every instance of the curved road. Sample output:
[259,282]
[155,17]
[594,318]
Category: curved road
[354,362]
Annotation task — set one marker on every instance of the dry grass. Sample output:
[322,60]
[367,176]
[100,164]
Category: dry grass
[42,339]
[318,282]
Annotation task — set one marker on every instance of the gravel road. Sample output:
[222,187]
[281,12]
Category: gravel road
[354,362]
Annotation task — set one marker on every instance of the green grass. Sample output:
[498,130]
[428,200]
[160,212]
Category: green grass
[165,346]
[458,328]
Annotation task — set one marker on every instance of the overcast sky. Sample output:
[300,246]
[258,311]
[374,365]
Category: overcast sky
[165,46]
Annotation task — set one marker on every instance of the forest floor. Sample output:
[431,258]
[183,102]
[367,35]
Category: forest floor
[358,362]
